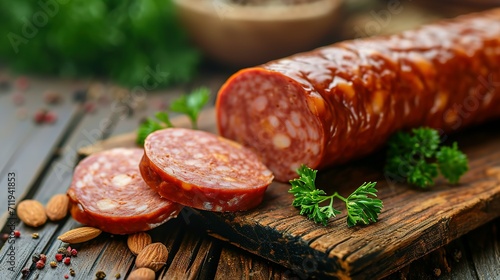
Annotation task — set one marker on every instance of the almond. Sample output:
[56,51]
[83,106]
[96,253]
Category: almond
[79,235]
[31,212]
[137,241]
[142,273]
[153,256]
[57,207]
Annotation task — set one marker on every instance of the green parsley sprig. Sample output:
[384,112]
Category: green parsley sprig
[190,105]
[361,208]
[418,158]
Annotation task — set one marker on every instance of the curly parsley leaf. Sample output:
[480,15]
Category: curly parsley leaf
[418,159]
[360,207]
[191,104]
[452,163]
[423,174]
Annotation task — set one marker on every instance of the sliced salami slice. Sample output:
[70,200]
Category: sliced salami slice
[109,193]
[203,171]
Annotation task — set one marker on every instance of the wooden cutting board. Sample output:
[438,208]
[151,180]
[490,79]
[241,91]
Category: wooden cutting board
[413,222]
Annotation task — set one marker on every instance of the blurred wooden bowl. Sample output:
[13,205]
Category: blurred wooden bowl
[246,35]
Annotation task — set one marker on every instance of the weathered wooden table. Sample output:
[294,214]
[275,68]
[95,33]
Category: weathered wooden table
[41,158]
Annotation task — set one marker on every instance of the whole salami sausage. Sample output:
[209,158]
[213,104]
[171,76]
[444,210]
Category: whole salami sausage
[204,171]
[109,193]
[343,101]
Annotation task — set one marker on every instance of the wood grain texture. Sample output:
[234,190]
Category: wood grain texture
[486,251]
[26,146]
[413,222]
[190,257]
[237,264]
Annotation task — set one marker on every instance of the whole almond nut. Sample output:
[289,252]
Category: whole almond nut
[31,212]
[137,241]
[153,256]
[57,207]
[142,273]
[79,235]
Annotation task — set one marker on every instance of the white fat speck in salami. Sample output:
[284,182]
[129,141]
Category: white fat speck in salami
[213,174]
[260,103]
[273,120]
[290,129]
[121,180]
[281,141]
[114,197]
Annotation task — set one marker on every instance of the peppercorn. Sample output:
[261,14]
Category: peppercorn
[118,275]
[25,272]
[62,250]
[22,83]
[100,275]
[66,276]
[35,235]
[72,272]
[4,84]
[53,264]
[67,260]
[80,95]
[39,116]
[43,257]
[59,257]
[40,264]
[5,236]
[17,234]
[74,252]
[50,117]
[89,107]
[35,257]
[52,97]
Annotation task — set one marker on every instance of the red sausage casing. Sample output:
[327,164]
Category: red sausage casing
[343,101]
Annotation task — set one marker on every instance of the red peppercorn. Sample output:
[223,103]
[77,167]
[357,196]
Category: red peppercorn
[59,257]
[67,260]
[43,258]
[74,252]
[39,116]
[50,117]
[66,276]
[17,234]
[40,264]
[89,107]
[22,83]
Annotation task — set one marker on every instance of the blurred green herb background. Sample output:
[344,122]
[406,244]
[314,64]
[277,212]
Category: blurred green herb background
[113,39]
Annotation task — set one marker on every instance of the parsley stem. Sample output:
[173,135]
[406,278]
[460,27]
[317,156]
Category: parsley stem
[331,197]
[337,195]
